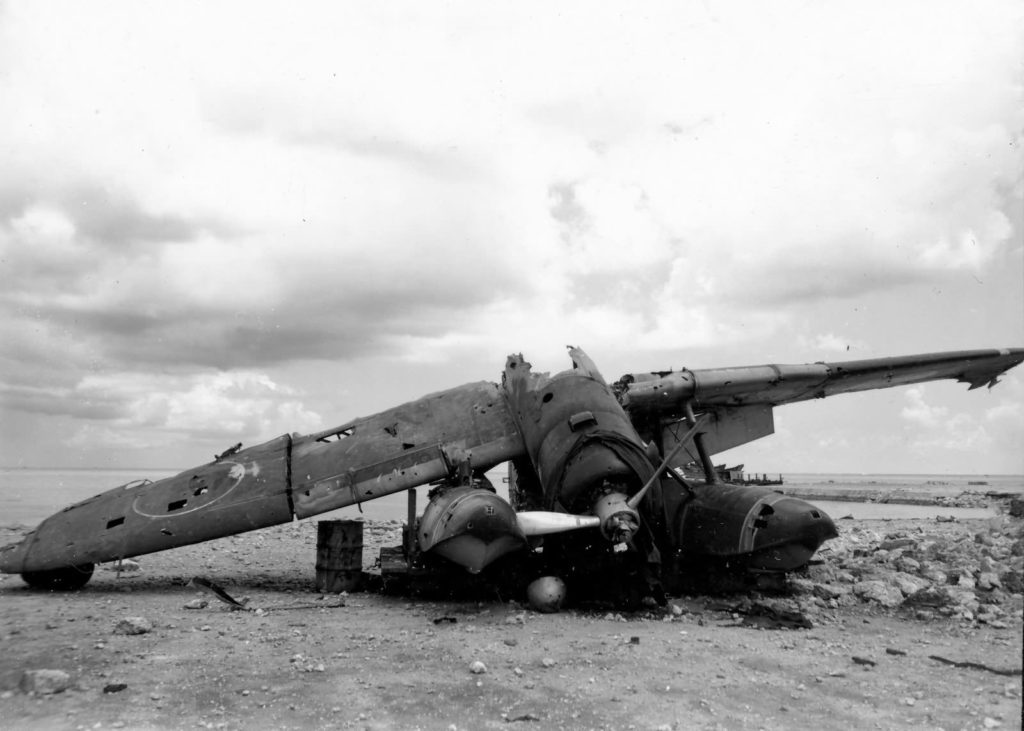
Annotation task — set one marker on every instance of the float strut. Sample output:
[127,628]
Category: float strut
[710,474]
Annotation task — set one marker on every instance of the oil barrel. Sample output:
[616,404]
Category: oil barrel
[339,555]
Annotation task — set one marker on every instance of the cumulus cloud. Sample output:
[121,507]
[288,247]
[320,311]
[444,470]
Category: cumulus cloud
[937,427]
[147,410]
[833,343]
[184,194]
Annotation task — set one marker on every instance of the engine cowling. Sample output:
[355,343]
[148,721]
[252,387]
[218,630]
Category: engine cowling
[581,444]
[470,526]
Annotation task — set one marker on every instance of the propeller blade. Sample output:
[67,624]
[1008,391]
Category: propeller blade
[543,522]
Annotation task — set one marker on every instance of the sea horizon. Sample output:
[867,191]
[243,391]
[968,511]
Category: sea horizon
[28,495]
[769,473]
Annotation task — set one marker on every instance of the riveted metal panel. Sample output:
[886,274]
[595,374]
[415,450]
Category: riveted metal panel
[242,492]
[403,447]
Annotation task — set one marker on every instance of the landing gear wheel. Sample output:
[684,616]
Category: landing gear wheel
[66,579]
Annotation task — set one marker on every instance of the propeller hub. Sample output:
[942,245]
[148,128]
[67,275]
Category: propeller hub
[619,522]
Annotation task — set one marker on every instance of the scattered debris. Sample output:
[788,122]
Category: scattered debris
[546,594]
[975,666]
[774,614]
[523,717]
[217,591]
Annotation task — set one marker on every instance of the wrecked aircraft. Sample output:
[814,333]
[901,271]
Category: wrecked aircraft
[595,494]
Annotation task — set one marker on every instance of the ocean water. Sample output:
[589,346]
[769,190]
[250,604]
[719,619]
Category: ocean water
[27,496]
[944,483]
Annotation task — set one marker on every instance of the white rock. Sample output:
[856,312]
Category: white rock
[133,626]
[477,668]
[966,582]
[907,583]
[908,565]
[45,682]
[879,592]
[987,581]
[831,591]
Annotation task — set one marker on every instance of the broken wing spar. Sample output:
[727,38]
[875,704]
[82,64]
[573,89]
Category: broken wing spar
[432,438]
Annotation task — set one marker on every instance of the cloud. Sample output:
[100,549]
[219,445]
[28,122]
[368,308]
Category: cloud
[145,410]
[937,428]
[920,413]
[832,343]
[184,194]
[780,192]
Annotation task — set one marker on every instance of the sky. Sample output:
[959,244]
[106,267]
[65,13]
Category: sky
[222,222]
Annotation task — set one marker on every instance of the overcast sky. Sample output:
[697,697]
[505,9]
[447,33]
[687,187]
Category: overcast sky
[223,222]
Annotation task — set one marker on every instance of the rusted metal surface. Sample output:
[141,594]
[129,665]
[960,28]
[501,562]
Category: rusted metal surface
[412,444]
[772,531]
[664,394]
[244,491]
[577,446]
[339,555]
[469,526]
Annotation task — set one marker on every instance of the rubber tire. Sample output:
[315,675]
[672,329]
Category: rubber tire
[71,578]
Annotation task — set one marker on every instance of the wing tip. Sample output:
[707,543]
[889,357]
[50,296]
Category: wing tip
[987,372]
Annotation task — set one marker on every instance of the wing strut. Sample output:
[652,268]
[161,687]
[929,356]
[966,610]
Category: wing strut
[698,441]
[634,501]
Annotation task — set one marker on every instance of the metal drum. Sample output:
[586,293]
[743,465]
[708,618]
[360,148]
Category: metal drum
[339,555]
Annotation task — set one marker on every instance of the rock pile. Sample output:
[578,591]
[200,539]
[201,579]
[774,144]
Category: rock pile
[929,570]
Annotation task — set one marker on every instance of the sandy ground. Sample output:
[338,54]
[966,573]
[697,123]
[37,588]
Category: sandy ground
[302,660]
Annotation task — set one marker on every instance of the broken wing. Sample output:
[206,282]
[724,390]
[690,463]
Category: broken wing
[739,401]
[666,393]
[412,444]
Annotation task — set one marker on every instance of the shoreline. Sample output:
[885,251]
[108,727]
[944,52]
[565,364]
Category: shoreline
[913,495]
